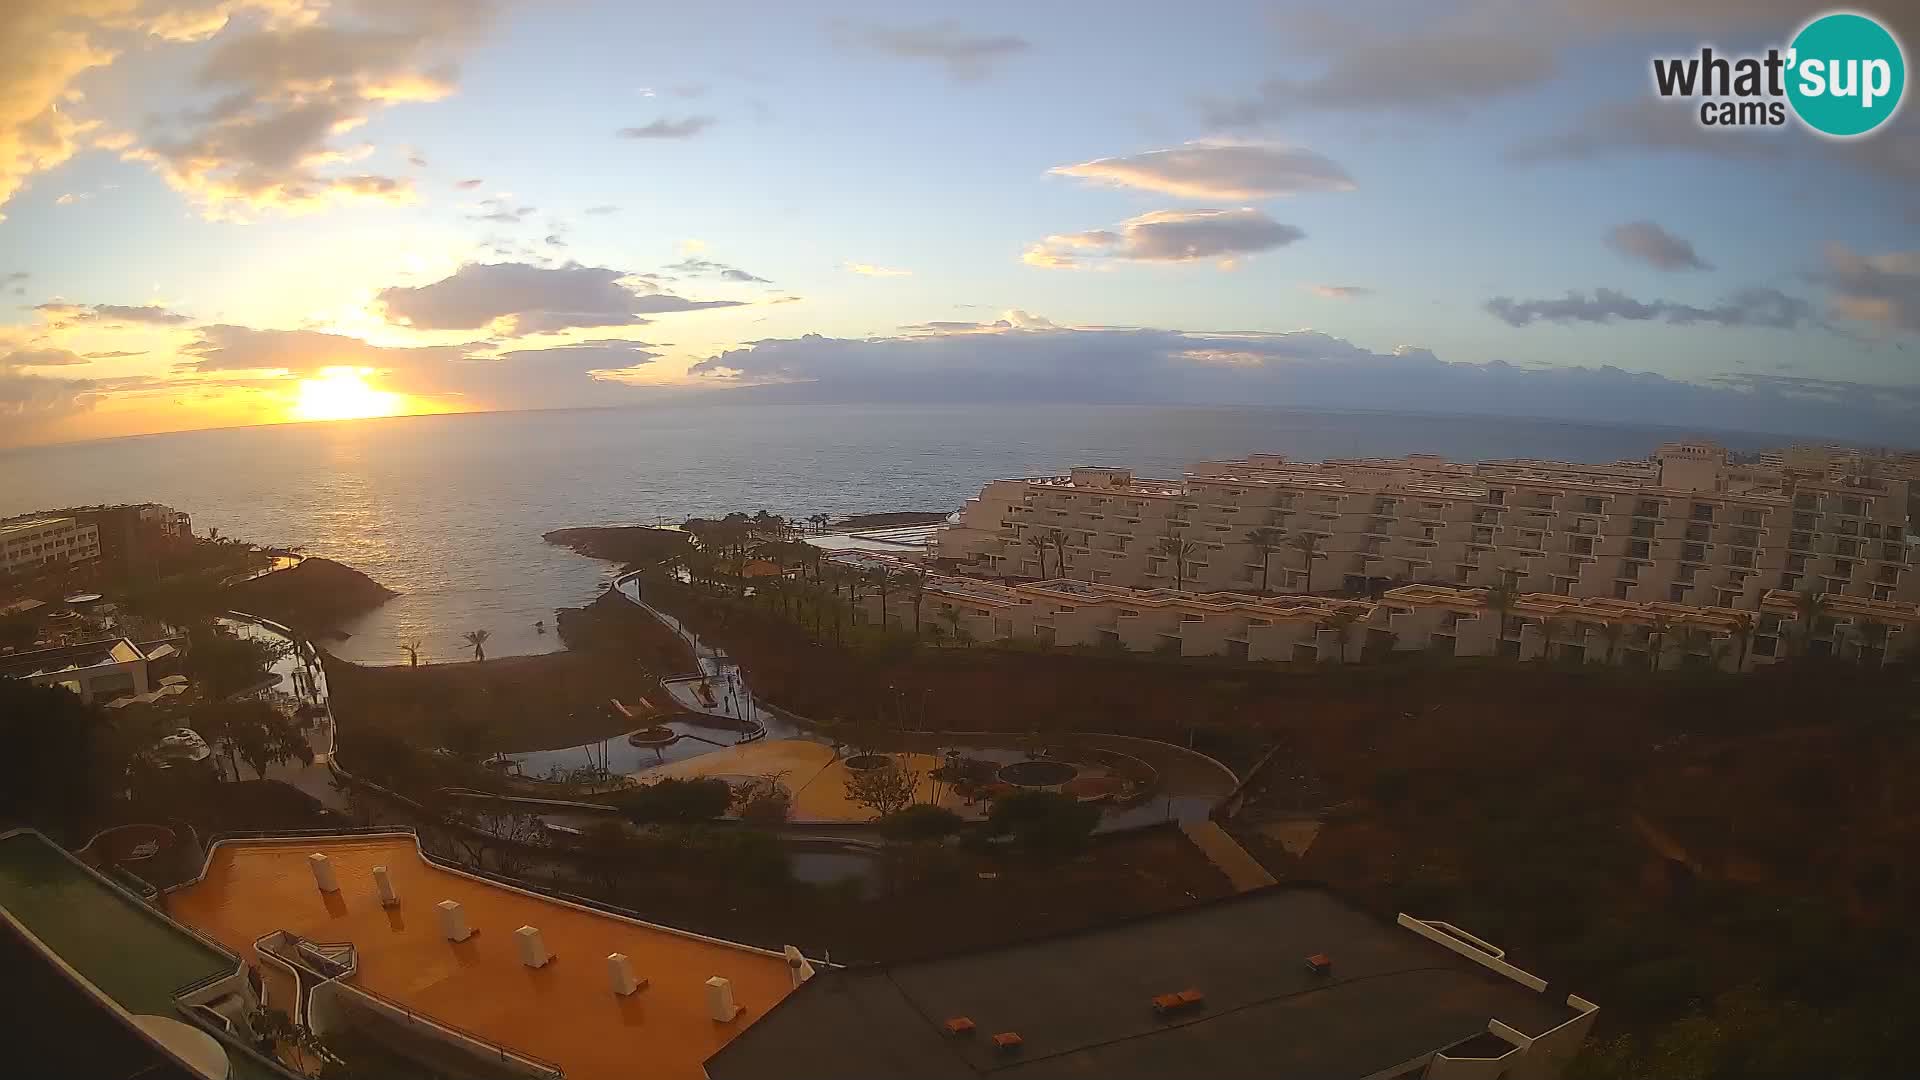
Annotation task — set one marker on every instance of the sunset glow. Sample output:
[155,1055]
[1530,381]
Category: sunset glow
[343,394]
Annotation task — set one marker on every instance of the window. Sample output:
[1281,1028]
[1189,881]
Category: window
[1497,496]
[1703,511]
[1800,540]
[1789,581]
[1746,538]
[1620,589]
[1843,568]
[1593,504]
[1582,545]
[1630,570]
[1643,528]
[1803,522]
[1852,506]
[1647,508]
[1805,502]
[1849,528]
[1750,517]
[1639,549]
[1698,532]
[1846,547]
[1677,593]
[1742,558]
[1693,552]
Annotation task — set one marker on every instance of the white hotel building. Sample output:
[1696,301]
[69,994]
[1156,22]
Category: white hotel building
[1687,527]
[31,544]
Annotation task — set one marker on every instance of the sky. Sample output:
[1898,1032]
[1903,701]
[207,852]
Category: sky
[221,212]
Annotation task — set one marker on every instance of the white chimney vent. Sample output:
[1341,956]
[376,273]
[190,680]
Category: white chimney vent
[620,974]
[720,1005]
[453,921]
[798,969]
[533,947]
[323,875]
[383,885]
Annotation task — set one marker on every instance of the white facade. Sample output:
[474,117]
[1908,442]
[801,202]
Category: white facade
[29,545]
[1686,527]
[1447,620]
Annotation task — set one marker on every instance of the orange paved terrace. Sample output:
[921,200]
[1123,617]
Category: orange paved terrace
[563,1012]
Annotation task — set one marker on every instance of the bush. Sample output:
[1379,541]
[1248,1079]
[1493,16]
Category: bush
[675,802]
[1044,821]
[921,822]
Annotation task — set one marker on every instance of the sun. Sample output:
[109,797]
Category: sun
[342,393]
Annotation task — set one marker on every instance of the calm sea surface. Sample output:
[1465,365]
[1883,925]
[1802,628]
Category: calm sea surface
[449,509]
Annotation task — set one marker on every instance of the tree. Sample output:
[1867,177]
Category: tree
[225,663]
[254,732]
[819,522]
[1500,601]
[1047,822]
[950,615]
[674,801]
[411,646]
[1658,631]
[63,762]
[1742,635]
[914,584]
[764,802]
[1341,623]
[1611,633]
[1265,541]
[1308,545]
[1554,629]
[611,846]
[1058,538]
[1179,551]
[1809,611]
[885,790]
[478,639]
[919,823]
[880,578]
[1038,542]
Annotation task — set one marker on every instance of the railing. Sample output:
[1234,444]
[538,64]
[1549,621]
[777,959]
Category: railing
[476,1041]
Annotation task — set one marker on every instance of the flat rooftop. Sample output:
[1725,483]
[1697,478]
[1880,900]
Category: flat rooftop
[1082,1003]
[91,654]
[563,1012]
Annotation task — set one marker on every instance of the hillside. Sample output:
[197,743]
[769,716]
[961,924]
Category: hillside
[313,596]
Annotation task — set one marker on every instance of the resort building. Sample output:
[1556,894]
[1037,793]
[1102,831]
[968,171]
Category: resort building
[1445,619]
[98,671]
[135,535]
[1286,981]
[30,545]
[1688,526]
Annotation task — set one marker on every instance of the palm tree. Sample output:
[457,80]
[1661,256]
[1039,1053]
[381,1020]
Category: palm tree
[1553,629]
[819,522]
[1179,551]
[881,577]
[1657,632]
[1038,542]
[1500,600]
[478,639]
[1308,544]
[1873,636]
[1611,633]
[1263,541]
[1341,623]
[951,616]
[1059,540]
[1742,634]
[411,646]
[1809,609]
[914,584]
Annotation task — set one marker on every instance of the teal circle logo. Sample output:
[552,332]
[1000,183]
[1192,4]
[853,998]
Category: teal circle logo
[1846,74]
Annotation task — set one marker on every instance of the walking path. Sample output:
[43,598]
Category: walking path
[304,680]
[1242,869]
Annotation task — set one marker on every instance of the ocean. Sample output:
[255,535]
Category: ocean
[449,510]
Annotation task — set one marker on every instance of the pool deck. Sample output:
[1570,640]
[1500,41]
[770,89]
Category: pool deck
[811,770]
[563,1012]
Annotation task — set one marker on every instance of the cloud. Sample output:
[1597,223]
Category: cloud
[468,185]
[1167,236]
[1341,292]
[694,266]
[287,91]
[227,347]
[603,354]
[1655,246]
[1639,126]
[34,397]
[1215,169]
[1365,68]
[535,299]
[1883,289]
[871,270]
[150,314]
[1300,369]
[43,48]
[967,57]
[666,128]
[1760,307]
[114,354]
[502,212]
[21,358]
[603,208]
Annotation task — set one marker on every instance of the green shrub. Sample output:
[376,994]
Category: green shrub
[921,822]
[1044,821]
[675,802]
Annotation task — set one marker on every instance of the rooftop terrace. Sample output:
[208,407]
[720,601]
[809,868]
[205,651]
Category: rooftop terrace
[1082,1003]
[563,1012]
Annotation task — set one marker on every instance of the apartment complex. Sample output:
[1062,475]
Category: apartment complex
[135,535]
[1688,526]
[1444,619]
[30,545]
